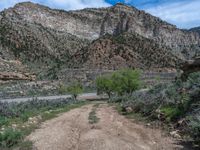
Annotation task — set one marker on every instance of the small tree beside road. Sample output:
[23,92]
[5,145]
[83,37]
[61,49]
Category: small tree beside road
[75,89]
[105,85]
[123,82]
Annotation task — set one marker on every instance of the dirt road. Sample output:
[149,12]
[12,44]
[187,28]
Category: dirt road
[72,131]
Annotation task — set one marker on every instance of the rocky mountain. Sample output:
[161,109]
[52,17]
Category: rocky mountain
[126,51]
[46,40]
[196,29]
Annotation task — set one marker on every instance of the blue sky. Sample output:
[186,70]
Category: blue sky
[183,13]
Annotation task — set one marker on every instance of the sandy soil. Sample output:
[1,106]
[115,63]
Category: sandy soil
[72,131]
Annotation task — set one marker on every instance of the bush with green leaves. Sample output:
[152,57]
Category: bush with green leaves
[120,83]
[194,128]
[10,137]
[62,89]
[75,89]
[173,101]
[14,109]
[105,85]
[126,81]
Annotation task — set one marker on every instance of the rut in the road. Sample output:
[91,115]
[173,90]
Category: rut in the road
[72,131]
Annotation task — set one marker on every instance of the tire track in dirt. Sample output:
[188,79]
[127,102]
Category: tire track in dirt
[72,131]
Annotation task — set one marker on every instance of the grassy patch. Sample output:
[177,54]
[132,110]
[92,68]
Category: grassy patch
[13,130]
[10,137]
[132,115]
[92,115]
[171,113]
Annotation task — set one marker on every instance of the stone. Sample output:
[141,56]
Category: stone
[15,76]
[129,109]
[175,134]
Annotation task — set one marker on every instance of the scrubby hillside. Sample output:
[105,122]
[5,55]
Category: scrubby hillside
[48,40]
[196,29]
[127,51]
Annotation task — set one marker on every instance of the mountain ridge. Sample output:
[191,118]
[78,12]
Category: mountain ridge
[195,29]
[49,39]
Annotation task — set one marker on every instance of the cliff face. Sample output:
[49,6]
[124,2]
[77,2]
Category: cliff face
[45,38]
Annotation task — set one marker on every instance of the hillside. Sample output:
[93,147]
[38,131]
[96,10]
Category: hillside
[196,29]
[47,40]
[126,51]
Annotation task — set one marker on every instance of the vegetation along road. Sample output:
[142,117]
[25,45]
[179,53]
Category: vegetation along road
[81,96]
[98,126]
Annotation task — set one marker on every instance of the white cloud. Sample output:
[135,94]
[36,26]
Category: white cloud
[184,14]
[76,4]
[59,4]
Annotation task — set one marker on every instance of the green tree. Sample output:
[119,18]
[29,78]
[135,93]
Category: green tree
[62,89]
[105,85]
[126,81]
[121,82]
[75,89]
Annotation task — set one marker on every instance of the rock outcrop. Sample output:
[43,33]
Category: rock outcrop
[16,76]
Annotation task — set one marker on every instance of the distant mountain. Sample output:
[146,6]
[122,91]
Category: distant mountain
[196,29]
[47,40]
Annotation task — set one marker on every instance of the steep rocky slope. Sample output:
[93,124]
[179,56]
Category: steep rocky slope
[126,50]
[48,40]
[12,69]
[92,23]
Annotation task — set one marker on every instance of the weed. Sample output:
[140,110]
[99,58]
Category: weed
[171,113]
[92,115]
[10,137]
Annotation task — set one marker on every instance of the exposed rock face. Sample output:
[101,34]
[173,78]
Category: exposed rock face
[16,76]
[48,40]
[11,69]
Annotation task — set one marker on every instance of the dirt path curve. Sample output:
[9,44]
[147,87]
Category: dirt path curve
[72,131]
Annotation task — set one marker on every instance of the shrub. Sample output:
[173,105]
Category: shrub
[62,89]
[105,85]
[171,102]
[75,89]
[119,99]
[194,128]
[3,121]
[171,113]
[10,137]
[122,82]
[22,109]
[126,81]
